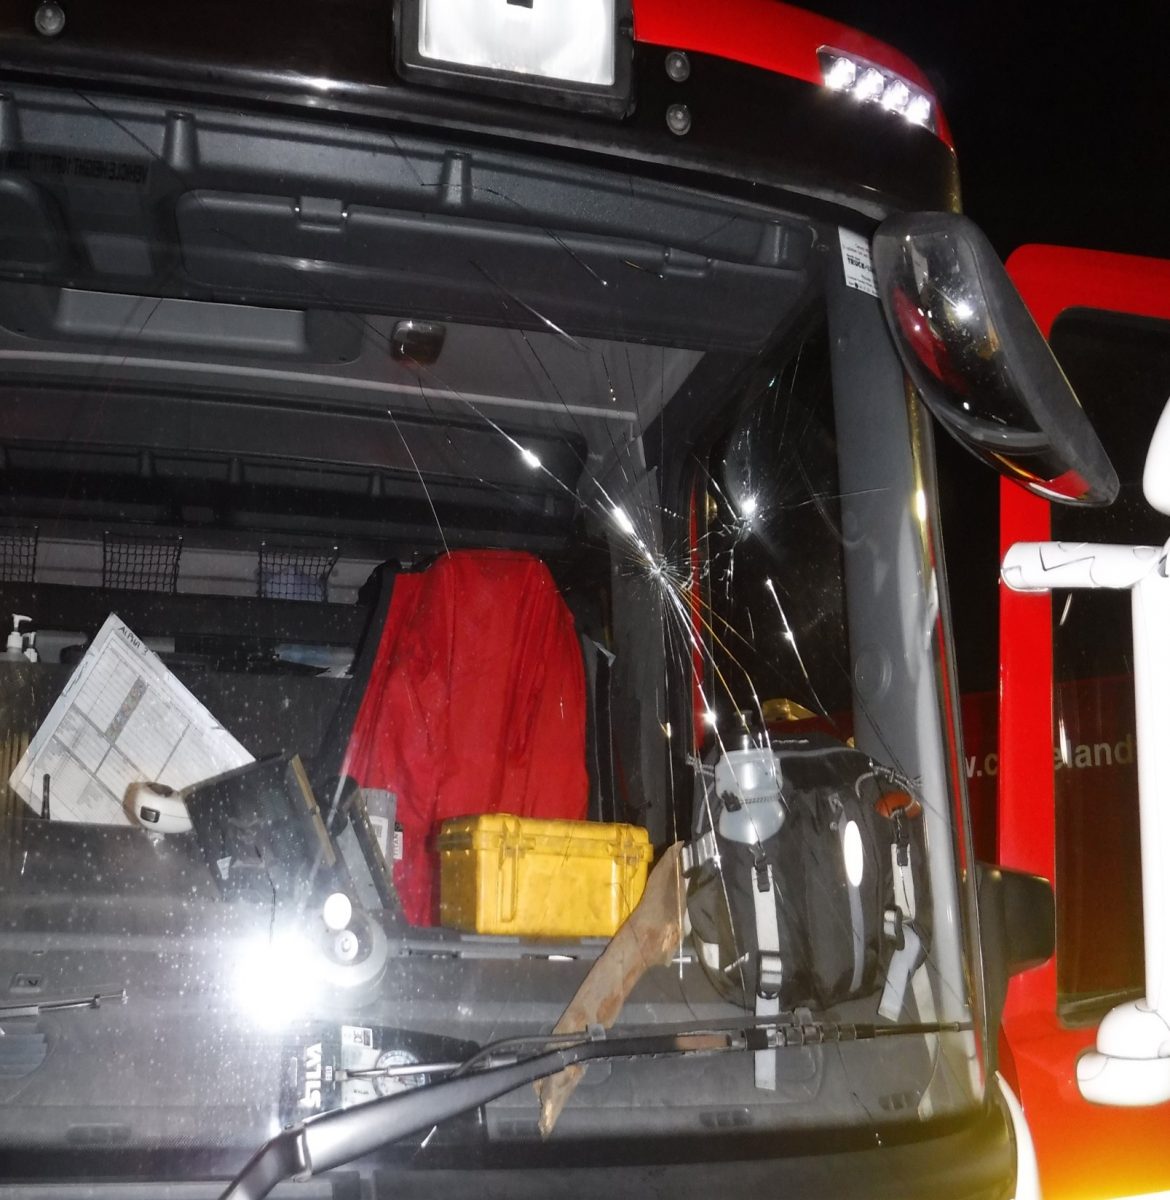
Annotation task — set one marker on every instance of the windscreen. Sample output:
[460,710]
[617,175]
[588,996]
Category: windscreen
[459,598]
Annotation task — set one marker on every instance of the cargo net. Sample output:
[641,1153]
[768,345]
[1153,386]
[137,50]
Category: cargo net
[141,562]
[18,553]
[291,573]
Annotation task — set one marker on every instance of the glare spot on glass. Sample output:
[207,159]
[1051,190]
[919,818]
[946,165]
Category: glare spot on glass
[622,520]
[748,507]
[963,310]
[711,718]
[530,459]
[666,730]
[272,983]
[920,505]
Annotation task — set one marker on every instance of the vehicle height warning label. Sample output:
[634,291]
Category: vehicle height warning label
[857,262]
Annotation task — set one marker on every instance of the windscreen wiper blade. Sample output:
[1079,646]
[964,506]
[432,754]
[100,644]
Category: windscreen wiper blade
[332,1139]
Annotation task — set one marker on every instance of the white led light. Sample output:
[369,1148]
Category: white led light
[569,41]
[919,110]
[870,84]
[841,74]
[896,96]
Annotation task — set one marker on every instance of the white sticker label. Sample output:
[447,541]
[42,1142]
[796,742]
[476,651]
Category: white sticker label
[357,1035]
[855,258]
[399,847]
[224,865]
[381,828]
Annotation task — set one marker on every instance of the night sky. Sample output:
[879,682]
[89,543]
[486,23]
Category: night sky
[1059,112]
[1060,118]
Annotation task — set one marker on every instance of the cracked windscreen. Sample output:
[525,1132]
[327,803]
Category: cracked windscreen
[462,595]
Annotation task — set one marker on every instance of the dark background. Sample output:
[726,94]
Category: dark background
[1059,115]
[1059,112]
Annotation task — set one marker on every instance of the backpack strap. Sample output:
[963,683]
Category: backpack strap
[702,850]
[904,963]
[901,808]
[769,968]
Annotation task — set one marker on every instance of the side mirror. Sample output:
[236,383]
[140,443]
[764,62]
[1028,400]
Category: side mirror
[1017,921]
[980,364]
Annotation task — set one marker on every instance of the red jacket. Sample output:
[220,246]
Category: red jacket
[475,704]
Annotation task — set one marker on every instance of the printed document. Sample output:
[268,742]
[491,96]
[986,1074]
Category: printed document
[122,718]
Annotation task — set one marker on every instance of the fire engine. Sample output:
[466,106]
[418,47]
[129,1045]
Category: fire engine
[457,455]
[1068,804]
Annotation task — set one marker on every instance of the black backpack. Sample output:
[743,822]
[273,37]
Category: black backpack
[806,877]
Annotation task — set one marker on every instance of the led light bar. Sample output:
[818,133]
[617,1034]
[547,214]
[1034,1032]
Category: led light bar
[569,53]
[874,84]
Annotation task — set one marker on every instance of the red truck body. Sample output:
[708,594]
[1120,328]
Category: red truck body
[1084,1150]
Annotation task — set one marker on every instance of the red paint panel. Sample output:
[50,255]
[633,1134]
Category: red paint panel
[1053,278]
[1027,807]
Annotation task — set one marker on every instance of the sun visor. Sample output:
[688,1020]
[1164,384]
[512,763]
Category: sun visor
[520,273]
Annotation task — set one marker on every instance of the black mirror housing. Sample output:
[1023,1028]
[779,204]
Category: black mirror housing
[981,366]
[1017,920]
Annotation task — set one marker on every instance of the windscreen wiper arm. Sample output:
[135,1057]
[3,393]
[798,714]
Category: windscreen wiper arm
[331,1139]
[37,1007]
